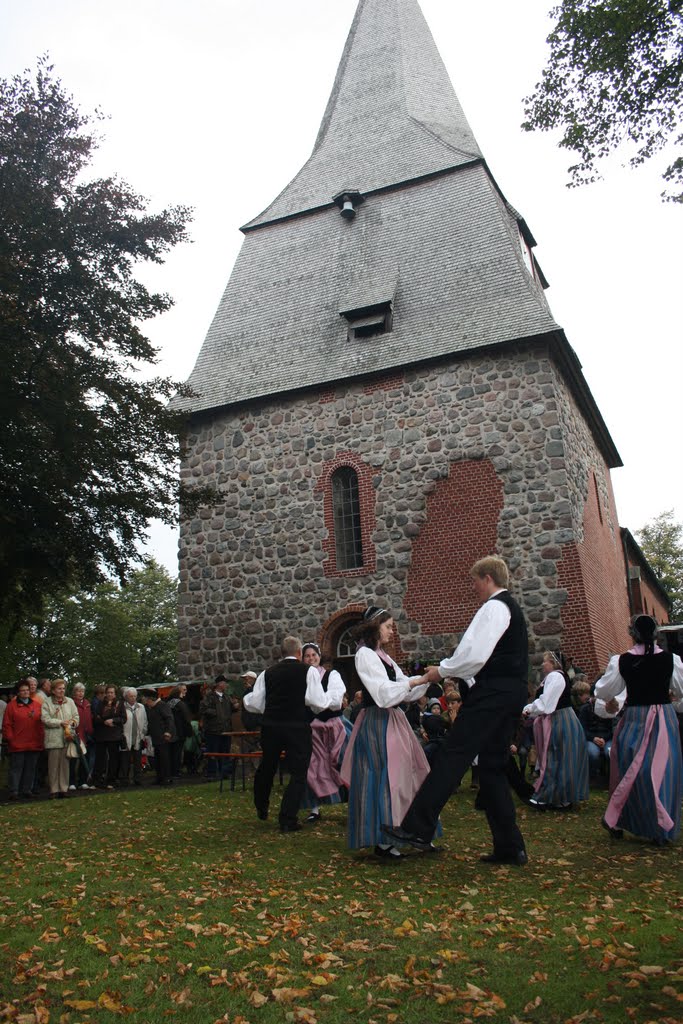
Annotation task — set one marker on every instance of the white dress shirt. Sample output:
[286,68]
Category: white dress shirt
[478,641]
[316,698]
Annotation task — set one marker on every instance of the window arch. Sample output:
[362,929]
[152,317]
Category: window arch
[347,521]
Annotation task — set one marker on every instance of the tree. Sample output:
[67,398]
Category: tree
[614,75]
[112,634]
[88,448]
[662,544]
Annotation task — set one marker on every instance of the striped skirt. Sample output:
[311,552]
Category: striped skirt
[645,774]
[562,758]
[384,767]
[323,779]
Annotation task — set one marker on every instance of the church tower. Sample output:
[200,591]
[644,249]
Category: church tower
[384,396]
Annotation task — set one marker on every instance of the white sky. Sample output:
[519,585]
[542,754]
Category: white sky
[216,104]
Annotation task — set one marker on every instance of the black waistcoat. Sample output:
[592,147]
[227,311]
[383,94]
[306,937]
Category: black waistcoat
[509,659]
[286,693]
[647,678]
[565,700]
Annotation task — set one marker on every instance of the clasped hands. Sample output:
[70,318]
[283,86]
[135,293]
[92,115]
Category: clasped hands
[432,675]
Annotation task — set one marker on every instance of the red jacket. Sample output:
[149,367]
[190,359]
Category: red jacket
[22,728]
[85,726]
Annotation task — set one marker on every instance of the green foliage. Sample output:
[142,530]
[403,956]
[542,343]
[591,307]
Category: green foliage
[88,449]
[662,544]
[614,75]
[112,634]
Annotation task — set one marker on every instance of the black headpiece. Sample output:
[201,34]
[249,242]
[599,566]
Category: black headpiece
[372,612]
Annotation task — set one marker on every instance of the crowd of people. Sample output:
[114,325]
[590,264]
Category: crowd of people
[401,746]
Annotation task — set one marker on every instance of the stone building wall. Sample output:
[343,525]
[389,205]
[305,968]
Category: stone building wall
[488,428]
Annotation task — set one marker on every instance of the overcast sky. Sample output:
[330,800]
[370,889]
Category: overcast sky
[216,104]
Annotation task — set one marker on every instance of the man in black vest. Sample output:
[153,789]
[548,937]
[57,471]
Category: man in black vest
[282,694]
[493,658]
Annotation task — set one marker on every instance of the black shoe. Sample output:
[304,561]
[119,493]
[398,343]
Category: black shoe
[519,858]
[294,827]
[615,833]
[388,853]
[262,815]
[402,836]
[312,818]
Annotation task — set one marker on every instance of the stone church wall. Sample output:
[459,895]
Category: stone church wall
[455,460]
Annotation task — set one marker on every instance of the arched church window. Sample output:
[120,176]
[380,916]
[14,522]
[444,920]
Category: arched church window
[346,515]
[346,645]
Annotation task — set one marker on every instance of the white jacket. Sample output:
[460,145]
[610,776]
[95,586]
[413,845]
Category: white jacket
[135,712]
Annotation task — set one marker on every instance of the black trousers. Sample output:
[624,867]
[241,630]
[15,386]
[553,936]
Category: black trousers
[162,763]
[295,739]
[107,759]
[485,726]
[128,758]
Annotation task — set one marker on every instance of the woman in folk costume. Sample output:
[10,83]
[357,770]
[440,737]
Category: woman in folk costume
[384,765]
[645,762]
[559,739]
[328,735]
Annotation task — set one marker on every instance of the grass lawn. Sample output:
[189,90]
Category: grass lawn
[154,906]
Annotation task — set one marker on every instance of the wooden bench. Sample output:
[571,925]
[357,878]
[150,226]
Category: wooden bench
[237,755]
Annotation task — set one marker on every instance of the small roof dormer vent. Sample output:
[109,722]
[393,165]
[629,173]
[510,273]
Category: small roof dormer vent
[348,203]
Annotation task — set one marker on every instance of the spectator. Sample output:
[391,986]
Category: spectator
[108,721]
[97,698]
[251,720]
[182,720]
[598,731]
[356,706]
[216,714]
[80,772]
[161,729]
[134,732]
[22,731]
[44,689]
[60,720]
[32,687]
[434,726]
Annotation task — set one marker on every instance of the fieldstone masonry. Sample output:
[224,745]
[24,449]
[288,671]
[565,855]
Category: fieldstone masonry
[254,568]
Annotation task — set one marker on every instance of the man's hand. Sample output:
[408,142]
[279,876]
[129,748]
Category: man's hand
[167,736]
[599,741]
[432,675]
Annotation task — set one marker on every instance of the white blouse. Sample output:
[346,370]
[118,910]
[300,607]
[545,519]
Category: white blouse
[553,688]
[385,692]
[336,690]
[613,684]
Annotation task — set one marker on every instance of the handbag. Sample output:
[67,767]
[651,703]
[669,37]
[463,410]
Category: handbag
[71,750]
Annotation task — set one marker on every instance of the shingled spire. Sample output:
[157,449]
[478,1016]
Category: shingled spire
[428,262]
[392,117]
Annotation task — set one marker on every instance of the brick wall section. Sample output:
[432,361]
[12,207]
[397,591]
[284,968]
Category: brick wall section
[255,566]
[645,598]
[462,526]
[592,571]
[385,383]
[366,501]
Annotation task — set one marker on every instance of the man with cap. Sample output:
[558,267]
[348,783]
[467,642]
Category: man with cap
[215,712]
